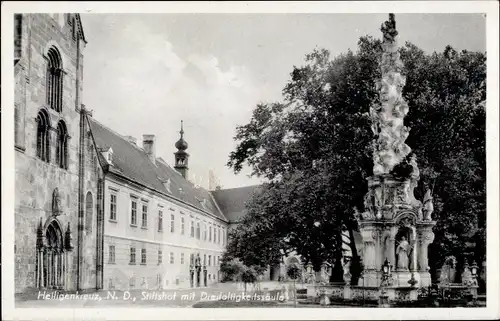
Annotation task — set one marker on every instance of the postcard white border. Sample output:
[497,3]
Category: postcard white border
[492,126]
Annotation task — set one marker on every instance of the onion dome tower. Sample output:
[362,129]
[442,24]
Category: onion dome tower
[181,156]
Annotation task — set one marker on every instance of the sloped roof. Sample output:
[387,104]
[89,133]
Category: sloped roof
[232,201]
[133,163]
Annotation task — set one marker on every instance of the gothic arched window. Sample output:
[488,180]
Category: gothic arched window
[89,212]
[54,79]
[62,145]
[42,136]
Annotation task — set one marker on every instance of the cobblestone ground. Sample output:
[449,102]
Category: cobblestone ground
[133,298]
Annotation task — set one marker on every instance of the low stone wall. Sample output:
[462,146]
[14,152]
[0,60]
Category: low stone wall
[362,293]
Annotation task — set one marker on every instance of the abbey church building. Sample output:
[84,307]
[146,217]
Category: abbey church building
[58,230]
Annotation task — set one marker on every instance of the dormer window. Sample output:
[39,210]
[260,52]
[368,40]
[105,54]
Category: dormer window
[167,185]
[108,155]
[204,203]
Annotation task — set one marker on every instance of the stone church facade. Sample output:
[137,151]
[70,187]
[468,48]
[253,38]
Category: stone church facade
[57,228]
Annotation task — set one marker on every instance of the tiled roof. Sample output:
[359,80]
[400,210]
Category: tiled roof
[132,162]
[232,201]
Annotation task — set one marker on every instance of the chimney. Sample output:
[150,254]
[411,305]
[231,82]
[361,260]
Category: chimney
[149,146]
[131,139]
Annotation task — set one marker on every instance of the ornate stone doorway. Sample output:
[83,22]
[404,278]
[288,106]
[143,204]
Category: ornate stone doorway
[51,256]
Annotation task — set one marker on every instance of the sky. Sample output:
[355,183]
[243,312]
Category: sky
[144,73]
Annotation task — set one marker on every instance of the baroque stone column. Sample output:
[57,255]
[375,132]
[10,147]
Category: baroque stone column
[390,203]
[426,238]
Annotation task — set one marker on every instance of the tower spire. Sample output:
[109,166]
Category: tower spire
[181,156]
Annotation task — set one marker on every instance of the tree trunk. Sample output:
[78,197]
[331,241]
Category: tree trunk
[337,271]
[356,262]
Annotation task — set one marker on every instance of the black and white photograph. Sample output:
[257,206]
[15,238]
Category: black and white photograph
[288,160]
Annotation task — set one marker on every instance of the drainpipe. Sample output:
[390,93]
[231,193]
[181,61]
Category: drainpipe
[81,166]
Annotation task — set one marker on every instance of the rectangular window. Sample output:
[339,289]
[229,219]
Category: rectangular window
[198,231]
[172,259]
[210,233]
[172,223]
[132,255]
[160,256]
[204,231]
[182,258]
[204,259]
[144,215]
[215,234]
[112,207]
[143,256]
[192,229]
[160,221]
[209,260]
[218,235]
[182,225]
[111,254]
[133,212]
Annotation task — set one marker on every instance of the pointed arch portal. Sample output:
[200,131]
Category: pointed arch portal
[51,259]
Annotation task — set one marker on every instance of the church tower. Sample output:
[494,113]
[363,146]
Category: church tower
[181,156]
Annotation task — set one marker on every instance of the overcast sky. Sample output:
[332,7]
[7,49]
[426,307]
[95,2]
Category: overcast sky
[143,73]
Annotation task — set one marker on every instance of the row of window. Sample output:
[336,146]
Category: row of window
[216,234]
[143,259]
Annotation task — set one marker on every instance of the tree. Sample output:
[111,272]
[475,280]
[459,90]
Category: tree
[248,275]
[294,272]
[314,150]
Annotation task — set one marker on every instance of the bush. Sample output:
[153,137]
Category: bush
[231,269]
[248,275]
[293,271]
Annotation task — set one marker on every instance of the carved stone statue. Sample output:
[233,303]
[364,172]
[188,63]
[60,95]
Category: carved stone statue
[389,148]
[388,29]
[413,163]
[403,251]
[56,202]
[347,272]
[357,213]
[467,278]
[428,205]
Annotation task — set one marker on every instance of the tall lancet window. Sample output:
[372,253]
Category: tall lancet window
[42,136]
[54,79]
[62,145]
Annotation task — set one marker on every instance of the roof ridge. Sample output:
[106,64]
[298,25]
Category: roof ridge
[232,188]
[116,133]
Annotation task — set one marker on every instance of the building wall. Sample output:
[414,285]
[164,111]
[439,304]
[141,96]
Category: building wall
[35,180]
[122,235]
